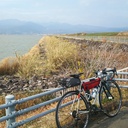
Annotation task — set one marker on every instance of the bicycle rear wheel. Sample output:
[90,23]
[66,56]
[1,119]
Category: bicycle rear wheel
[110,98]
[72,111]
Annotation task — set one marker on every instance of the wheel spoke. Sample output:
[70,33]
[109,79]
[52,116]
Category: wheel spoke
[110,99]
[72,111]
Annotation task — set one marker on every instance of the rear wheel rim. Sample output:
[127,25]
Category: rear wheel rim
[69,116]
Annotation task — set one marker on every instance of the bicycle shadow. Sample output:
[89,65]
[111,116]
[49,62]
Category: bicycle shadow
[102,121]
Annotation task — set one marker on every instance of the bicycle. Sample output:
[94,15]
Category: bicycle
[74,107]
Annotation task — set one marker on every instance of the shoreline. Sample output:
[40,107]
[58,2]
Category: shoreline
[12,84]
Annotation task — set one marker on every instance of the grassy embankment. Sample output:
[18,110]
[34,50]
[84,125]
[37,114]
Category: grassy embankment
[53,55]
[95,34]
[113,37]
[101,34]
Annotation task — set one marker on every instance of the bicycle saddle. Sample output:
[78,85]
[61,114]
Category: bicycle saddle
[76,75]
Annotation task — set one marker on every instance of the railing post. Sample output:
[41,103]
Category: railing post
[9,110]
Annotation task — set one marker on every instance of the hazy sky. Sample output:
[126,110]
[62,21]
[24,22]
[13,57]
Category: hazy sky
[110,13]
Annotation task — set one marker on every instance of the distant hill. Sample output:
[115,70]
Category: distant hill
[19,27]
[13,26]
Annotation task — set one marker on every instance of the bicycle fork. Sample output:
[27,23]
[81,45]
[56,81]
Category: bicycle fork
[106,89]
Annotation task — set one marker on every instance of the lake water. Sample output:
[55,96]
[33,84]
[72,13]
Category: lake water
[20,44]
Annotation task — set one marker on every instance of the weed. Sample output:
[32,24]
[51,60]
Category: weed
[59,53]
[8,66]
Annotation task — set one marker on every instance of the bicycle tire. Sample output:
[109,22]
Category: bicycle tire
[70,117]
[110,101]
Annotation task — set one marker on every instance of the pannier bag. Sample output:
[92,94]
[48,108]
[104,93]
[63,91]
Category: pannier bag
[70,82]
[91,83]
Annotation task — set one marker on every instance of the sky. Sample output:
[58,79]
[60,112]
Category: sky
[107,13]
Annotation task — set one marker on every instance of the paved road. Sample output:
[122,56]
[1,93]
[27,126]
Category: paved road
[102,121]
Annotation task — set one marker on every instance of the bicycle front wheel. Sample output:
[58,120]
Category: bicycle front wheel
[110,98]
[72,111]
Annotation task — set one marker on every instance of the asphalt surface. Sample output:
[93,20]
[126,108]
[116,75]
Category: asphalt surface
[102,121]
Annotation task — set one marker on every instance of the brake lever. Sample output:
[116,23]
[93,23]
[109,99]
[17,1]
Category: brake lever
[96,72]
[104,71]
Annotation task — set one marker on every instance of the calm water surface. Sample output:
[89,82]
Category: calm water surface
[20,44]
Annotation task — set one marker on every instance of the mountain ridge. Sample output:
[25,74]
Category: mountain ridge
[14,26]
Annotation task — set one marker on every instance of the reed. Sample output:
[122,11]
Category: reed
[8,66]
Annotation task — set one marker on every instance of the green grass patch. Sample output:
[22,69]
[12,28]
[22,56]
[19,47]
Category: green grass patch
[95,34]
[103,34]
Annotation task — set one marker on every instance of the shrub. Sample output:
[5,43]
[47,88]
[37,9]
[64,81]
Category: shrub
[59,54]
[8,66]
[105,56]
[29,64]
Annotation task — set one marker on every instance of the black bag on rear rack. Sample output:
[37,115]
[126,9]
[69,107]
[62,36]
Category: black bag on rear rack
[70,82]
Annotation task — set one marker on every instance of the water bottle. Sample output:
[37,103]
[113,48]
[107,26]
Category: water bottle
[94,92]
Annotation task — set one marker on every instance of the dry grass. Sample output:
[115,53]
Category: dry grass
[54,55]
[123,34]
[8,66]
[94,57]
[47,121]
[38,122]
[29,64]
[59,56]
[23,66]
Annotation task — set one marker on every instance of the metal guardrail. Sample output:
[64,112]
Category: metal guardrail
[11,114]
[123,77]
[10,103]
